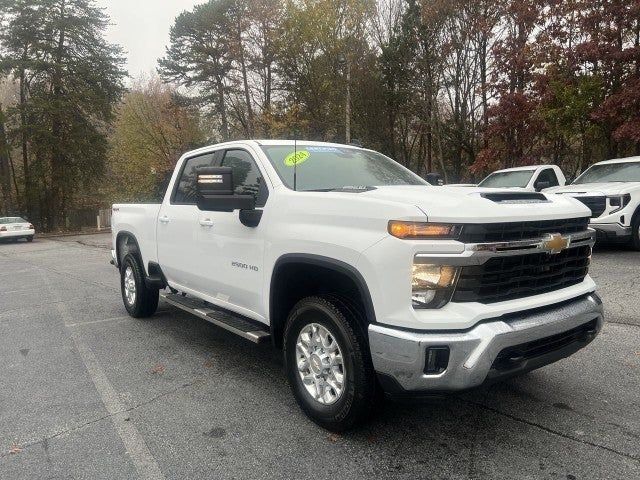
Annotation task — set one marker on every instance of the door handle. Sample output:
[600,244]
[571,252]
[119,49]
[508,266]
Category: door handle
[206,222]
[163,219]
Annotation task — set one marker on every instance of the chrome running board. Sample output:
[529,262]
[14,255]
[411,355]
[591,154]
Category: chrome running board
[244,327]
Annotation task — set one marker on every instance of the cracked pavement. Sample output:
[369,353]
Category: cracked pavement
[89,393]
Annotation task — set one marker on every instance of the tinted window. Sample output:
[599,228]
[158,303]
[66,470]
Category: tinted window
[325,167]
[548,175]
[247,179]
[185,192]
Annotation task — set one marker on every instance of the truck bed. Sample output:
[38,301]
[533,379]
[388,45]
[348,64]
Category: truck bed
[141,220]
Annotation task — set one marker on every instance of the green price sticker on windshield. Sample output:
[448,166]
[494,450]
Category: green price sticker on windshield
[296,158]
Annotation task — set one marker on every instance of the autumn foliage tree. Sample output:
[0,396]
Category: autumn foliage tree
[456,86]
[153,127]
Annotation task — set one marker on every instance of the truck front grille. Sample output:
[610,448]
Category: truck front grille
[518,276]
[596,204]
[507,232]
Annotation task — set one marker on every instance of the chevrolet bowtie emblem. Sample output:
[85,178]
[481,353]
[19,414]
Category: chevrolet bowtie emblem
[554,243]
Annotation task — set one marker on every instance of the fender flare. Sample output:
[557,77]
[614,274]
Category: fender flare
[125,233]
[329,263]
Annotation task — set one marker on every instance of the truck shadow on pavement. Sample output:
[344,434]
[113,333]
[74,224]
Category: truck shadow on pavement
[527,423]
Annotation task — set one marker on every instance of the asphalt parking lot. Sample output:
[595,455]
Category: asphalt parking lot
[88,392]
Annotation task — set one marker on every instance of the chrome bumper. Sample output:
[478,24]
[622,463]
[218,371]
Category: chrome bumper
[400,355]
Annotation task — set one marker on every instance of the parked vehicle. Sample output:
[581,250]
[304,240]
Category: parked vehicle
[366,276]
[611,190]
[15,228]
[531,178]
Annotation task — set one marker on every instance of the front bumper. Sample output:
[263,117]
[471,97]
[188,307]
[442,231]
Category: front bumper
[399,356]
[611,232]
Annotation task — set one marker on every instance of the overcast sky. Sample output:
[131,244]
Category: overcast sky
[141,27]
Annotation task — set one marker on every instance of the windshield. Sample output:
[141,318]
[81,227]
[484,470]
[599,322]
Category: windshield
[6,220]
[610,172]
[331,168]
[515,178]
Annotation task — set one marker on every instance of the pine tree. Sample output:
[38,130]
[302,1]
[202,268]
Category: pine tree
[70,79]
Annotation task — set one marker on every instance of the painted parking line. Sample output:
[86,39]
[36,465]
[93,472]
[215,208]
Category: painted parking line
[104,320]
[132,439]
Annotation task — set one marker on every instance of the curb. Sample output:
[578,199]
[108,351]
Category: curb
[71,234]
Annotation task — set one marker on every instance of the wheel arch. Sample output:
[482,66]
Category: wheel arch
[298,275]
[126,242]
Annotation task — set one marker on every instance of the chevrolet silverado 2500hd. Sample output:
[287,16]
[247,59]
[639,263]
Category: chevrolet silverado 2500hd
[611,189]
[366,276]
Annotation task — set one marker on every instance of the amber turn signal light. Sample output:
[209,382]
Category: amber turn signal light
[417,230]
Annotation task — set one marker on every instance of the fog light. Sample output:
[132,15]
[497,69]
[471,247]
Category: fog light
[436,360]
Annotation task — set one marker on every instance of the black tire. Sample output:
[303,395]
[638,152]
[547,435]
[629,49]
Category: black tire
[145,301]
[30,239]
[635,231]
[356,402]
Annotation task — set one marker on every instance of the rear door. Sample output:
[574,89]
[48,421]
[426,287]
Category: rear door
[178,227]
[231,255]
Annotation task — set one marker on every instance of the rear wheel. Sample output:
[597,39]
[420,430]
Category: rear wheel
[139,300]
[30,239]
[327,364]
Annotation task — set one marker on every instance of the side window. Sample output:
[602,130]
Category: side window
[185,190]
[247,179]
[549,175]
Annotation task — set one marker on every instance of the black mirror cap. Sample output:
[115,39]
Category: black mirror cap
[225,203]
[434,178]
[542,185]
[250,218]
[215,188]
[214,181]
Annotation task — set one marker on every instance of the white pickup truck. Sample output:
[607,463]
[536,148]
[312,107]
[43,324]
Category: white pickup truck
[532,178]
[611,189]
[366,276]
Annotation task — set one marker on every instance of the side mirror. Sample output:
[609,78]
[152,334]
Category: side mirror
[214,188]
[539,186]
[434,179]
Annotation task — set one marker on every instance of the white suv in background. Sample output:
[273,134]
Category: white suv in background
[611,189]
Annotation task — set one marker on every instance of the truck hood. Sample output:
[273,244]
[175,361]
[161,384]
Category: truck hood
[467,205]
[596,189]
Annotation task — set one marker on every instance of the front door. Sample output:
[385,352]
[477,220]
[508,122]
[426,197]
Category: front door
[231,255]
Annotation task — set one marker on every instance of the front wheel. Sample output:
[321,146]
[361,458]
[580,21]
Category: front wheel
[327,363]
[139,300]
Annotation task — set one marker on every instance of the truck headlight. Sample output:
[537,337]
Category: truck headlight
[432,285]
[423,230]
[619,201]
